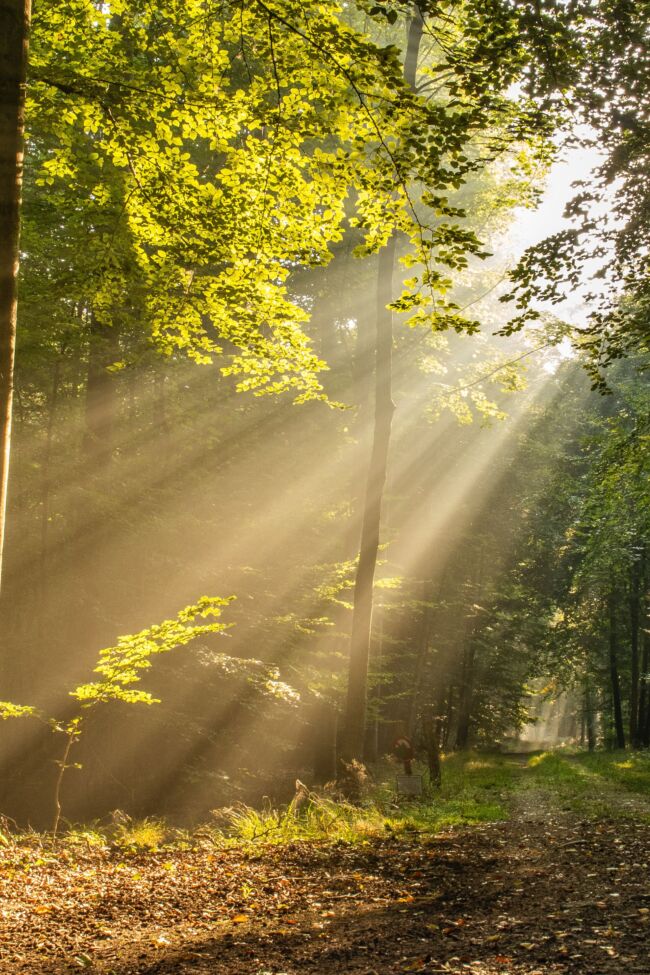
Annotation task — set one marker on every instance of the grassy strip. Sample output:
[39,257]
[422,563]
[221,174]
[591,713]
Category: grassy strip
[613,785]
[477,788]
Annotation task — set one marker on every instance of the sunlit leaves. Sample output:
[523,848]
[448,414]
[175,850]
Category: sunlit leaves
[121,666]
[9,710]
[204,155]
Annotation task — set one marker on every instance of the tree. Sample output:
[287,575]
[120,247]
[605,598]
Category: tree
[353,737]
[589,65]
[14,37]
[469,99]
[187,155]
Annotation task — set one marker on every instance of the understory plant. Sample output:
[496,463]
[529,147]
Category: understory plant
[119,669]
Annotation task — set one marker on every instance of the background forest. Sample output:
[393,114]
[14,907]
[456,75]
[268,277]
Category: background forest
[220,201]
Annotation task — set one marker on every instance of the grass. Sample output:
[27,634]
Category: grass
[477,788]
[614,785]
[142,834]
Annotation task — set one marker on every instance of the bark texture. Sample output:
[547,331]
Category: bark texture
[14,36]
[635,594]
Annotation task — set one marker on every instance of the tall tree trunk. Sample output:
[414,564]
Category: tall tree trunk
[355,712]
[643,738]
[613,671]
[590,717]
[448,731]
[644,695]
[466,689]
[466,693]
[14,38]
[353,736]
[431,722]
[635,592]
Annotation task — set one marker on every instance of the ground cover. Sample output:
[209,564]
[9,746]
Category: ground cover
[526,865]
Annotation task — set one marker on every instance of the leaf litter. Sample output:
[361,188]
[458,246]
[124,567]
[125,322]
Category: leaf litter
[549,896]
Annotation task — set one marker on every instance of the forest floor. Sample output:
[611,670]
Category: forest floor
[526,866]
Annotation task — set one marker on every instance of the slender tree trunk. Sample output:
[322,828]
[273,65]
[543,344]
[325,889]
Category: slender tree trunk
[353,736]
[431,726]
[355,712]
[613,671]
[466,693]
[72,736]
[644,675]
[635,592]
[466,689]
[450,711]
[590,722]
[14,38]
[645,727]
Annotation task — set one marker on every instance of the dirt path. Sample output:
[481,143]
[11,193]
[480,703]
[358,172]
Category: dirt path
[541,894]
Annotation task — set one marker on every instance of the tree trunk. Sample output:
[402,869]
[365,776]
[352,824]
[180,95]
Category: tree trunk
[431,732]
[466,694]
[355,712]
[643,718]
[14,38]
[613,671]
[644,697]
[590,717]
[448,729]
[353,736]
[635,592]
[466,689]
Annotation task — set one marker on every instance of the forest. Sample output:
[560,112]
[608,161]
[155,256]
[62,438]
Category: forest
[324,487]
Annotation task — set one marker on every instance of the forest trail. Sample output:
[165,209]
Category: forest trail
[544,893]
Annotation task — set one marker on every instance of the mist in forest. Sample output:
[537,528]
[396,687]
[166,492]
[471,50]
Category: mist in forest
[142,481]
[140,488]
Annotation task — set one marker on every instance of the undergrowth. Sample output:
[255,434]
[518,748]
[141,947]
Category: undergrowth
[477,788]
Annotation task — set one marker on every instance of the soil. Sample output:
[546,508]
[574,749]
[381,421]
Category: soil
[539,895]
